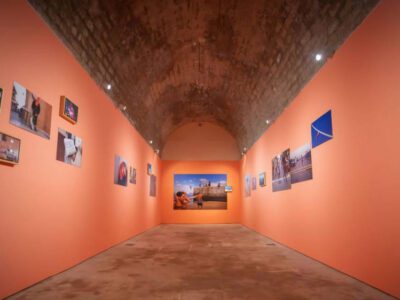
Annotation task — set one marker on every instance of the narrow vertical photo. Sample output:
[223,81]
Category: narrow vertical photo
[281,172]
[300,164]
[120,171]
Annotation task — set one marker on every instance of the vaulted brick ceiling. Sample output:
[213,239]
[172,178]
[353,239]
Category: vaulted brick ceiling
[232,62]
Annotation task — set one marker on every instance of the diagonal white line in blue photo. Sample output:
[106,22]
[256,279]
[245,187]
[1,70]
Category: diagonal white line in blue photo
[321,132]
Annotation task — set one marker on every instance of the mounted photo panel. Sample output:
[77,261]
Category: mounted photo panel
[30,112]
[9,149]
[321,129]
[301,164]
[281,172]
[120,171]
[68,110]
[200,191]
[261,179]
[69,148]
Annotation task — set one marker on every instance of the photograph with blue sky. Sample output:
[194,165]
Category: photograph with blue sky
[200,191]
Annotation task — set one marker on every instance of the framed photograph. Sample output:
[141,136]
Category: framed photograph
[261,179]
[228,189]
[200,191]
[9,149]
[153,186]
[1,96]
[132,175]
[149,169]
[69,148]
[300,164]
[120,171]
[68,110]
[281,172]
[30,112]
[321,129]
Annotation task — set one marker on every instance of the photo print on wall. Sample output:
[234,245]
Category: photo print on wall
[247,186]
[30,112]
[281,171]
[254,183]
[321,129]
[69,148]
[120,171]
[68,110]
[9,149]
[1,97]
[132,175]
[301,164]
[261,179]
[153,185]
[200,191]
[228,189]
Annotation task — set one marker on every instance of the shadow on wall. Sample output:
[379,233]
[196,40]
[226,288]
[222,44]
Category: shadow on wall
[200,141]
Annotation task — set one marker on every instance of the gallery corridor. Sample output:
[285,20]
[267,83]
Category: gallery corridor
[200,262]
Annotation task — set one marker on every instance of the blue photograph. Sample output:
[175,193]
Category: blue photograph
[200,191]
[321,129]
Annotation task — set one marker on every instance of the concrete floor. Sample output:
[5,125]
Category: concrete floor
[200,262]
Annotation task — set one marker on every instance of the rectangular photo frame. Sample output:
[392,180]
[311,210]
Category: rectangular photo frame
[69,148]
[1,97]
[301,164]
[120,171]
[9,149]
[68,110]
[30,112]
[261,179]
[200,192]
[132,175]
[281,172]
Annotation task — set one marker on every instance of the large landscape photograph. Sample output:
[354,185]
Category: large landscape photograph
[200,191]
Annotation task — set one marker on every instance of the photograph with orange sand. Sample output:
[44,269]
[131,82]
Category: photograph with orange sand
[200,191]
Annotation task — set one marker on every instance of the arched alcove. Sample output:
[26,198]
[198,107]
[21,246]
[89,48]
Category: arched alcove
[200,141]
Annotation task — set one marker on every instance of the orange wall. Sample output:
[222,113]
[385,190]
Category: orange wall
[53,215]
[169,168]
[348,215]
[206,142]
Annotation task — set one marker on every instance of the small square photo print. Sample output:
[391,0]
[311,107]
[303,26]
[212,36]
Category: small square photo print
[68,110]
[9,149]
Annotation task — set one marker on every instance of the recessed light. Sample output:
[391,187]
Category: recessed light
[318,57]
[151,142]
[124,107]
[266,121]
[108,87]
[157,151]
[244,149]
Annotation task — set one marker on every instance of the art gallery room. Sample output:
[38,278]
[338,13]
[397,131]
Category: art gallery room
[200,149]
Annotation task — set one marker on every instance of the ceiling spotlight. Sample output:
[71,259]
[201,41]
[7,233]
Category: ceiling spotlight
[318,57]
[244,149]
[266,121]
[124,107]
[108,87]
[151,142]
[157,151]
